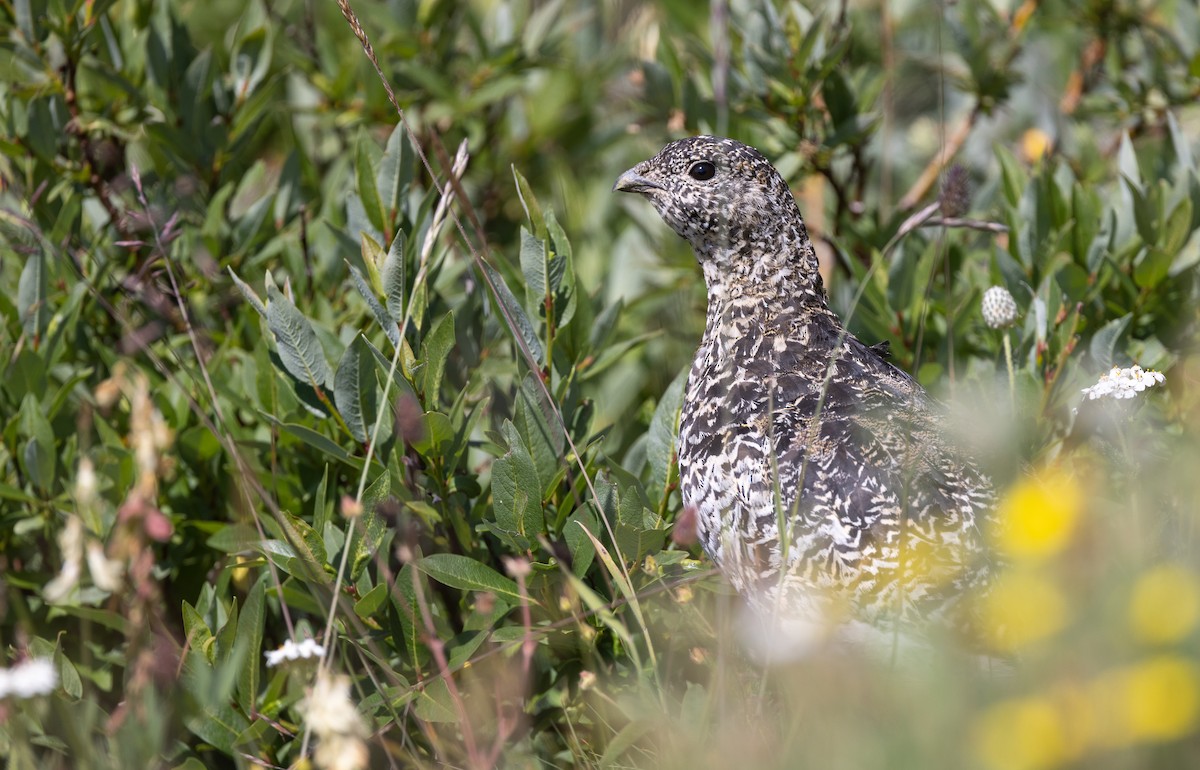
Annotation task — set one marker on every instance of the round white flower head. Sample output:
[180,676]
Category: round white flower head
[1124,383]
[999,308]
[307,648]
[36,676]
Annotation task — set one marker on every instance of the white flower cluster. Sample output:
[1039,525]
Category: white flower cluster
[292,651]
[36,676]
[1124,383]
[999,308]
[335,721]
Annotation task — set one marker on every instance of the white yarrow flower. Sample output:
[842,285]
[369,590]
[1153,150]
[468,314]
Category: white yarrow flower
[1121,383]
[36,676]
[336,723]
[308,648]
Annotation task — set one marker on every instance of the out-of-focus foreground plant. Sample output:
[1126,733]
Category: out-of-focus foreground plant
[327,439]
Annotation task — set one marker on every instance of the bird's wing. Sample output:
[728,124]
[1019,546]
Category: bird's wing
[869,480]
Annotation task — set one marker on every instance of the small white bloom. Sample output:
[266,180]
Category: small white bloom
[85,484]
[106,573]
[36,676]
[70,542]
[307,648]
[999,308]
[1124,383]
[336,723]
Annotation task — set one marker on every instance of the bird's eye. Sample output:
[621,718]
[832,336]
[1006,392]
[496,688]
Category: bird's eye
[702,170]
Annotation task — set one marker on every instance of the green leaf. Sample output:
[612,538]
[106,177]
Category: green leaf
[583,553]
[249,637]
[434,350]
[516,491]
[367,191]
[1152,266]
[541,432]
[466,574]
[1103,346]
[533,268]
[395,173]
[299,349]
[382,317]
[1012,176]
[434,703]
[370,528]
[197,633]
[38,457]
[32,291]
[533,212]
[663,435]
[371,601]
[518,323]
[354,389]
[1127,163]
[393,278]
[1178,227]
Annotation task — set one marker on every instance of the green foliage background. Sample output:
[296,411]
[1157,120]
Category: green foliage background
[233,313]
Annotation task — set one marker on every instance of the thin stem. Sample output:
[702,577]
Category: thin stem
[1012,381]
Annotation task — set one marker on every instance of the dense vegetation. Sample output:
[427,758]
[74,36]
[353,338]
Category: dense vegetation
[282,365]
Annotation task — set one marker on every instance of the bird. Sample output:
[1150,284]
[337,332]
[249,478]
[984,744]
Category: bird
[820,474]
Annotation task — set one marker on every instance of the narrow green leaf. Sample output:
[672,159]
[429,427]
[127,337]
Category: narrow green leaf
[250,636]
[533,268]
[249,294]
[533,212]
[32,292]
[395,173]
[1012,176]
[466,574]
[520,323]
[394,278]
[354,389]
[367,191]
[39,459]
[299,349]
[663,435]
[382,317]
[1178,227]
[1127,162]
[435,349]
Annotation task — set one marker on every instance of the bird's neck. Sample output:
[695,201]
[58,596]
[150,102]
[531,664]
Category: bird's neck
[759,270]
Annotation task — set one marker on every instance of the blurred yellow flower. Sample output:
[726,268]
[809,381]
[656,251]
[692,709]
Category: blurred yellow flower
[1020,608]
[1034,144]
[1161,698]
[1165,604]
[1021,734]
[1038,514]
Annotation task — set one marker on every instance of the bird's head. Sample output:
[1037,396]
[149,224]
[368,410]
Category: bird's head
[734,208]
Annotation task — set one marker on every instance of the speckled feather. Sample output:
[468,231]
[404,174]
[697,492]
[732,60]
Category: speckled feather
[817,469]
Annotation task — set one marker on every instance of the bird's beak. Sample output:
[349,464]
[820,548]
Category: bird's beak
[632,181]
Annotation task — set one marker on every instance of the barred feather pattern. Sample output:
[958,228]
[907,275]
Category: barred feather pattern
[819,473]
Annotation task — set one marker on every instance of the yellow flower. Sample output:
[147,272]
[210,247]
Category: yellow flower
[1021,734]
[1020,608]
[1161,698]
[1037,516]
[1034,144]
[1165,604]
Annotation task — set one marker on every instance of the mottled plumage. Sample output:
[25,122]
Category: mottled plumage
[818,471]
